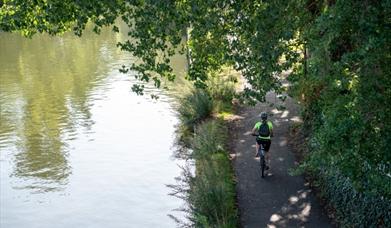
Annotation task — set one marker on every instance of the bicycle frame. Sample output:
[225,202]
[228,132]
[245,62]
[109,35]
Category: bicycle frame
[261,152]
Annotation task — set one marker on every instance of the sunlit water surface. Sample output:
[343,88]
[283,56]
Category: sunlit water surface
[78,148]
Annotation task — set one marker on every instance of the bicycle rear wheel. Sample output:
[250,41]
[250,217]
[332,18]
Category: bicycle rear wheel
[263,165]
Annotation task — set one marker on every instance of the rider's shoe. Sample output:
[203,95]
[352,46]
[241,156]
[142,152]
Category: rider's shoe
[267,167]
[257,155]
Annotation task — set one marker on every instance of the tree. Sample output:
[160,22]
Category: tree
[250,36]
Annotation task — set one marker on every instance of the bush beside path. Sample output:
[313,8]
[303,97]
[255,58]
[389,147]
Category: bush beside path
[278,200]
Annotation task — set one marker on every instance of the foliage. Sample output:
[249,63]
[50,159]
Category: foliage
[210,192]
[348,92]
[338,51]
[56,17]
[345,92]
[250,36]
[221,86]
[353,208]
[209,138]
[213,192]
[194,107]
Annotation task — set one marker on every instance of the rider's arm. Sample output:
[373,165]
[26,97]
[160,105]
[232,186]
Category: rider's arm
[256,128]
[271,129]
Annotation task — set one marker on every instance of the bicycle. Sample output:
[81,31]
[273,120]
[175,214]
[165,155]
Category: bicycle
[262,162]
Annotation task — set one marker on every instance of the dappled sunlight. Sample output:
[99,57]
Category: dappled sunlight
[230,116]
[303,215]
[296,210]
[271,226]
[278,200]
[296,119]
[234,156]
[293,199]
[284,114]
[275,218]
[306,211]
[283,142]
[303,195]
[275,111]
[269,174]
[278,220]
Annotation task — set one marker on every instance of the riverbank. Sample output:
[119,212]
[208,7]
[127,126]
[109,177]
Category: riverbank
[209,190]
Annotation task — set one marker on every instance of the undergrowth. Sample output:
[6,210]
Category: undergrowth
[209,190]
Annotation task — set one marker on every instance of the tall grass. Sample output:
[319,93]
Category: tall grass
[212,189]
[222,88]
[194,107]
[210,137]
[212,193]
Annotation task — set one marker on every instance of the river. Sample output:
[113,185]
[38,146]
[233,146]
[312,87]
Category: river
[77,147]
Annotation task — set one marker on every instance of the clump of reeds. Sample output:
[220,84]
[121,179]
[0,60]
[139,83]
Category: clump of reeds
[194,107]
[212,189]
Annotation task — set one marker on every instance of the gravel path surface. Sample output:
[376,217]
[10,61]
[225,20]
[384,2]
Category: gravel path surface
[278,200]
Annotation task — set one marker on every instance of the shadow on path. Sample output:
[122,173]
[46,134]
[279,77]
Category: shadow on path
[278,200]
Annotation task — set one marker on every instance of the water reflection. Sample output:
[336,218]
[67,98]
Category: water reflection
[47,85]
[72,131]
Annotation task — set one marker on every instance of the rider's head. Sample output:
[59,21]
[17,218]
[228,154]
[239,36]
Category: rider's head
[263,115]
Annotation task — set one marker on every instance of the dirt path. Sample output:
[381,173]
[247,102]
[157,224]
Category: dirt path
[278,200]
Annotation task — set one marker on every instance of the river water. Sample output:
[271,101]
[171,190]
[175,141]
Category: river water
[77,147]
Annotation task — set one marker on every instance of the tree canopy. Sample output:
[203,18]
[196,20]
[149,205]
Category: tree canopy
[338,52]
[259,39]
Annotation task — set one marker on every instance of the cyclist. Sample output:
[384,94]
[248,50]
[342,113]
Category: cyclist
[264,129]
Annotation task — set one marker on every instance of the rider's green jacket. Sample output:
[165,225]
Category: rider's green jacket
[258,125]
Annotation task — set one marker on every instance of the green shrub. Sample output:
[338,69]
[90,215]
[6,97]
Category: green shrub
[344,88]
[356,189]
[194,107]
[353,208]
